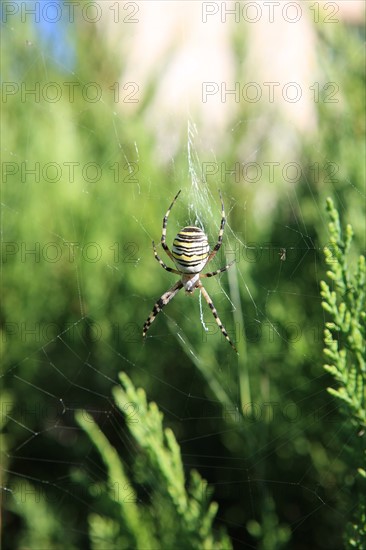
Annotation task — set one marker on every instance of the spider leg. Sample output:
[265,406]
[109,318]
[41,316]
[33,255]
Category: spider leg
[214,313]
[221,232]
[165,223]
[158,306]
[163,264]
[221,270]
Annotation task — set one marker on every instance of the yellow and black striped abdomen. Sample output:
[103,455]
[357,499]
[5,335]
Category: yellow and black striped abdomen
[190,249]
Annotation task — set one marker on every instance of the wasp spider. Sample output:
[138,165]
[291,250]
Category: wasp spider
[191,253]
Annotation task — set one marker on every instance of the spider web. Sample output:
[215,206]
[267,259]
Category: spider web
[67,352]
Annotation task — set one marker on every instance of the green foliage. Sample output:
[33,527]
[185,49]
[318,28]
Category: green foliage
[345,337]
[345,334]
[355,535]
[43,528]
[232,417]
[269,533]
[177,517]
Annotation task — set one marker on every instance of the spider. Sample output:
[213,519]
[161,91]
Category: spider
[190,254]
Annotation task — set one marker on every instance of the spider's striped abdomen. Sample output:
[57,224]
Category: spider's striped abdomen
[190,249]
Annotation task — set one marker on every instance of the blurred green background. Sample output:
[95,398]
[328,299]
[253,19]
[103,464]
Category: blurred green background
[79,279]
